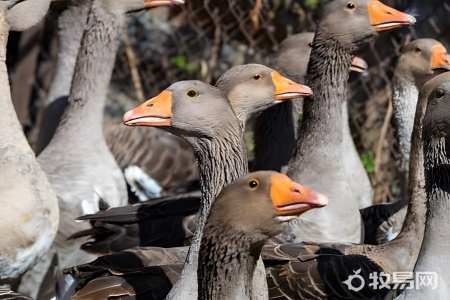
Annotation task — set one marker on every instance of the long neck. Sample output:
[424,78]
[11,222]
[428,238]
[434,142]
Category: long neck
[8,122]
[391,256]
[327,76]
[71,25]
[404,102]
[227,263]
[221,161]
[433,257]
[437,185]
[82,119]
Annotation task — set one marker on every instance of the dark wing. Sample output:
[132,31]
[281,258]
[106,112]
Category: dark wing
[142,273]
[165,222]
[297,271]
[383,222]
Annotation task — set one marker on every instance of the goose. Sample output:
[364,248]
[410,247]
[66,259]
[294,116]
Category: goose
[321,271]
[29,214]
[275,130]
[223,134]
[436,94]
[320,155]
[419,61]
[140,225]
[225,272]
[244,215]
[77,159]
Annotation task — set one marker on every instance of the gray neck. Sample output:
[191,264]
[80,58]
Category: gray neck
[220,161]
[227,263]
[327,76]
[82,119]
[71,25]
[433,255]
[404,102]
[9,123]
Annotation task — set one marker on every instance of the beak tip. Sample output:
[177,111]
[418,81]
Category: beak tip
[127,116]
[322,200]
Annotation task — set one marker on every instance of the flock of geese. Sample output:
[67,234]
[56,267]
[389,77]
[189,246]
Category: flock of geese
[258,235]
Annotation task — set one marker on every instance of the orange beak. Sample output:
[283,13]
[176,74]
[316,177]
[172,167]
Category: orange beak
[290,198]
[383,17]
[156,3]
[358,65]
[286,89]
[439,58]
[153,112]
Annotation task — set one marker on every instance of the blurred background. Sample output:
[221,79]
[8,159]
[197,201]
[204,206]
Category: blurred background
[204,38]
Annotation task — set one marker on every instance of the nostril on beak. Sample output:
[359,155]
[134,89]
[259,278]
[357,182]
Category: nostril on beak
[296,191]
[150,105]
[389,13]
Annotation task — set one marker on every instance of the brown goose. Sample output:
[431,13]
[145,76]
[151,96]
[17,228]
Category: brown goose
[432,257]
[321,272]
[419,61]
[77,160]
[165,225]
[29,214]
[320,155]
[243,217]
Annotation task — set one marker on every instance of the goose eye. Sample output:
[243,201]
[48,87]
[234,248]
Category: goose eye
[351,5]
[192,93]
[257,77]
[310,45]
[440,94]
[253,183]
[418,51]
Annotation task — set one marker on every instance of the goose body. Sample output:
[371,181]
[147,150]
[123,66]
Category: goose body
[29,215]
[319,159]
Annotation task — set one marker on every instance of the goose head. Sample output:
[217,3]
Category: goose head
[359,21]
[294,52]
[252,88]
[436,122]
[422,59]
[190,108]
[259,202]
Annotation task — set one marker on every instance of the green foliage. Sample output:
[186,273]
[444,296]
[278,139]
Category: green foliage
[179,61]
[367,162]
[311,3]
